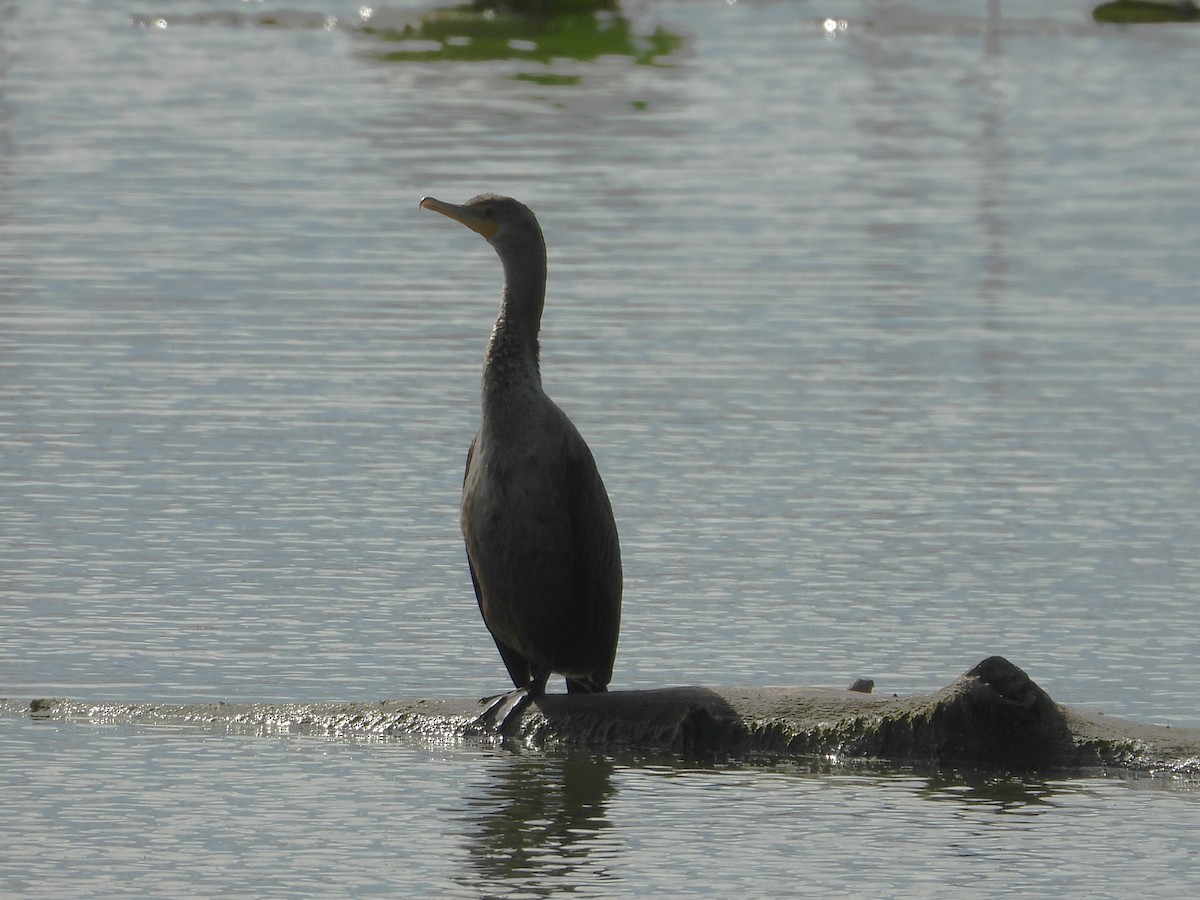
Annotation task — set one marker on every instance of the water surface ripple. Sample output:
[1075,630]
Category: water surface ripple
[883,329]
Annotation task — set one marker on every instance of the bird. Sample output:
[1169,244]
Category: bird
[541,539]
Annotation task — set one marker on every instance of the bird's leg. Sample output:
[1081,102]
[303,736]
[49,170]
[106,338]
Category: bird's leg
[505,707]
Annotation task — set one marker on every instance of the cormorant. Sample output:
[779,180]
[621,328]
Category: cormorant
[541,541]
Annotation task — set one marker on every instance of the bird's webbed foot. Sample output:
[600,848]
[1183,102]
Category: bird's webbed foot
[502,709]
[505,709]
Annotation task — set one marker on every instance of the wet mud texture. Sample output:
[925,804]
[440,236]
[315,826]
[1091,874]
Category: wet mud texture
[993,716]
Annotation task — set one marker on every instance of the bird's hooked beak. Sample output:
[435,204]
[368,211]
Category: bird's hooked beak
[464,214]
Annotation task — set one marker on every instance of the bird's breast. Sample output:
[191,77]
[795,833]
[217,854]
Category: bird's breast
[519,484]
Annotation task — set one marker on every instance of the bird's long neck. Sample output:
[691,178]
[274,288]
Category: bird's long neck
[510,369]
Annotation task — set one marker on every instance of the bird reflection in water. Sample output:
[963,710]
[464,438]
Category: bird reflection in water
[541,820]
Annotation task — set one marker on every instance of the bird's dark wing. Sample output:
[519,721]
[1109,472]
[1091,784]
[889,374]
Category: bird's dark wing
[519,669]
[598,552]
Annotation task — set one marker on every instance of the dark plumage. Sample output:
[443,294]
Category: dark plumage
[541,541]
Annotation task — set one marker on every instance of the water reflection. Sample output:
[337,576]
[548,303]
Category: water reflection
[1143,12]
[540,817]
[539,32]
[993,178]
[7,150]
[1008,793]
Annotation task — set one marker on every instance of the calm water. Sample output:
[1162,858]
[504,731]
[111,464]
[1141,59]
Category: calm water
[118,812]
[885,332]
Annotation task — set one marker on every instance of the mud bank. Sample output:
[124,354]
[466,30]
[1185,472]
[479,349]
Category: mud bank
[992,716]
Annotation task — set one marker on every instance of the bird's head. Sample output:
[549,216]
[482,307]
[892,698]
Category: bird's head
[506,224]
